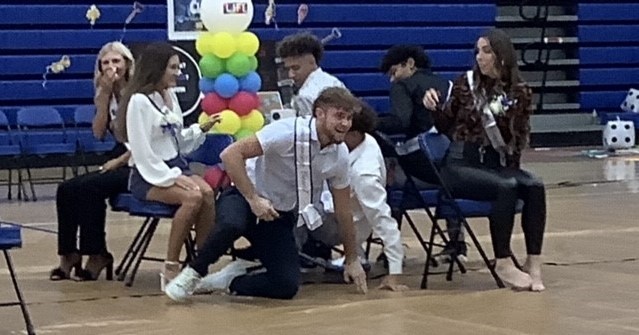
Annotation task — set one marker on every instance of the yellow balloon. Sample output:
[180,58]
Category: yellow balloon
[247,43]
[204,118]
[223,45]
[253,121]
[204,44]
[230,122]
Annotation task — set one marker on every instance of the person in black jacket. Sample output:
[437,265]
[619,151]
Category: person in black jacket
[409,69]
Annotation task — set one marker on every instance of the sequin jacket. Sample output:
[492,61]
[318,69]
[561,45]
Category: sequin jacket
[461,121]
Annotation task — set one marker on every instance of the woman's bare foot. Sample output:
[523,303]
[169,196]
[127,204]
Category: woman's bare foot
[533,268]
[508,272]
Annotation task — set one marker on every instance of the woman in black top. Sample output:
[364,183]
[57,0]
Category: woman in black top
[81,201]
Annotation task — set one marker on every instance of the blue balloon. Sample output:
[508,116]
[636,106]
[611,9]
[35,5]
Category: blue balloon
[226,85]
[251,82]
[207,85]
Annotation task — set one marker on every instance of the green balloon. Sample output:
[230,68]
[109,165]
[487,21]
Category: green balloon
[238,65]
[240,134]
[254,64]
[211,66]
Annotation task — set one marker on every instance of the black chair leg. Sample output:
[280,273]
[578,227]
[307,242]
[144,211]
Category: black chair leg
[30,180]
[491,267]
[10,183]
[135,253]
[129,253]
[23,305]
[145,244]
[429,253]
[515,261]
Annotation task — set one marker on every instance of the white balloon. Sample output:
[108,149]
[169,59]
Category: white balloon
[232,16]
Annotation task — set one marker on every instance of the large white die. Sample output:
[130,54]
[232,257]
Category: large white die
[631,104]
[619,135]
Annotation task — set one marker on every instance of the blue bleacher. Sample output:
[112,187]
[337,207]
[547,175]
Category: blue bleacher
[608,54]
[35,35]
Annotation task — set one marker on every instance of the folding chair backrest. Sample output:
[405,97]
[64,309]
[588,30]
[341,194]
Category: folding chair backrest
[209,152]
[434,146]
[5,130]
[41,117]
[83,115]
[41,131]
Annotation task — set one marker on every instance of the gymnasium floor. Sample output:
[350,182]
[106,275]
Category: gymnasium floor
[591,276]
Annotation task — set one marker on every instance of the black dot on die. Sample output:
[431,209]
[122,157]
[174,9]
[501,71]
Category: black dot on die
[632,107]
[627,126]
[614,140]
[630,93]
[613,126]
[627,139]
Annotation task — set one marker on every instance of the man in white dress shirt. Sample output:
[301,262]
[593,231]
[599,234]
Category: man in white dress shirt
[266,212]
[371,213]
[301,55]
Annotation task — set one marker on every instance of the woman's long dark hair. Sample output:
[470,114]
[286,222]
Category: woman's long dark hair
[150,67]
[505,64]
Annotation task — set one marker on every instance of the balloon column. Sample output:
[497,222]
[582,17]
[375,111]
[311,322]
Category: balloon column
[229,79]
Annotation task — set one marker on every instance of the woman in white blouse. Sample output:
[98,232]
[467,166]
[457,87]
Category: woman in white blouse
[153,127]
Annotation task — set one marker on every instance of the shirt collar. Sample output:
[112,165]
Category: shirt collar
[309,79]
[359,150]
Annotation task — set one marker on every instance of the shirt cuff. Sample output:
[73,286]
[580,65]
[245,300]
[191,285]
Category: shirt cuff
[395,267]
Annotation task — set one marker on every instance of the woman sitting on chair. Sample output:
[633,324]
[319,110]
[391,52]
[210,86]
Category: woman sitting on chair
[151,122]
[80,201]
[487,118]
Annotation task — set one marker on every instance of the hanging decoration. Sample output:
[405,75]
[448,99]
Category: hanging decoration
[270,13]
[93,14]
[137,9]
[56,67]
[302,12]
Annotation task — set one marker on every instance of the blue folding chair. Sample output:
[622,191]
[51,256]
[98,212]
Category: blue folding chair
[10,238]
[44,142]
[86,141]
[433,148]
[409,196]
[208,154]
[10,154]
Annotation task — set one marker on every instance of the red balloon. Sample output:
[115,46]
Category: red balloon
[244,102]
[217,178]
[213,103]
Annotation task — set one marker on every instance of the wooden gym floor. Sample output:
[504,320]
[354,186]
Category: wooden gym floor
[591,275]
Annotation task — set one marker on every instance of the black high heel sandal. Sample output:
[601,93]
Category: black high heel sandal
[58,274]
[86,275]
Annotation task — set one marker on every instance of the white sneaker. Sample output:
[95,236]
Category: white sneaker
[222,279]
[180,288]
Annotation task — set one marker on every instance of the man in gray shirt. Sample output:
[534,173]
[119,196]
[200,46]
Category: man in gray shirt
[266,212]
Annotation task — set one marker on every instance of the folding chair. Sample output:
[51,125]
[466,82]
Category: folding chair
[44,141]
[10,238]
[86,141]
[10,154]
[208,154]
[409,197]
[433,148]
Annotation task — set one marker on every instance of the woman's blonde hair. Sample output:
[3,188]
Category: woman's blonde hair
[114,47]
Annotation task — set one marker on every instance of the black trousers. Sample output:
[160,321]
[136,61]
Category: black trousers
[81,204]
[273,242]
[470,176]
